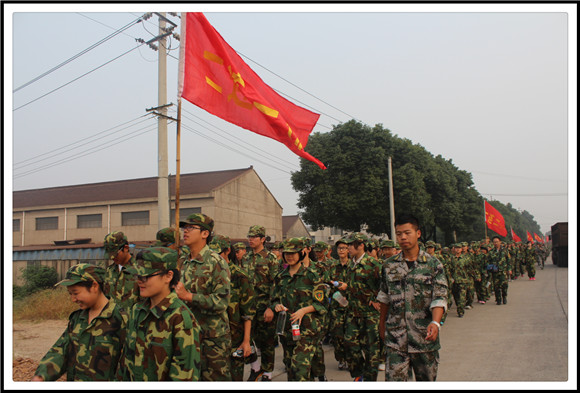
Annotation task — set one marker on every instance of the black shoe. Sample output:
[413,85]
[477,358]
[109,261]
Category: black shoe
[505,300]
[255,375]
[322,378]
[498,302]
[460,316]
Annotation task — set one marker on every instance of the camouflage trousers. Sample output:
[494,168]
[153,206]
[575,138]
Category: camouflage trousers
[480,290]
[531,269]
[318,366]
[216,358]
[459,295]
[400,366]
[470,292]
[237,364]
[449,303]
[265,338]
[500,285]
[362,341]
[298,357]
[337,326]
[519,268]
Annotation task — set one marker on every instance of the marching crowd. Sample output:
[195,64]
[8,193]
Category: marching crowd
[203,310]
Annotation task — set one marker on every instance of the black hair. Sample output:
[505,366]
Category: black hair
[496,237]
[175,279]
[301,255]
[406,218]
[89,284]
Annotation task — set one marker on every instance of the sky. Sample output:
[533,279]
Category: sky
[491,87]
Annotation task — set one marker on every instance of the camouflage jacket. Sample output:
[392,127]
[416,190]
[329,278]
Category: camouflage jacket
[410,293]
[163,343]
[241,307]
[86,351]
[338,272]
[499,258]
[121,286]
[363,280]
[482,262]
[207,277]
[461,269]
[530,255]
[305,288]
[262,268]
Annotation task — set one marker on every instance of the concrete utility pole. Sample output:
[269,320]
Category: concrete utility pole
[392,201]
[163,200]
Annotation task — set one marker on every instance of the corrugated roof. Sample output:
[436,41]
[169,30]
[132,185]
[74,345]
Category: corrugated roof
[191,183]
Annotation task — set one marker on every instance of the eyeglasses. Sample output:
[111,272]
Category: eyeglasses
[188,228]
[145,278]
[342,248]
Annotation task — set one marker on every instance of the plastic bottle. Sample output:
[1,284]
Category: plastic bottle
[336,284]
[281,323]
[340,299]
[295,331]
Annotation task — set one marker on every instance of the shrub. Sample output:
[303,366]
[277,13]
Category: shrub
[39,277]
[45,304]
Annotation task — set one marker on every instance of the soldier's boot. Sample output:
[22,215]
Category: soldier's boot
[504,300]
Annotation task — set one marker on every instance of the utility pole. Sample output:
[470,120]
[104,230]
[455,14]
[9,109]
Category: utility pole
[163,201]
[392,201]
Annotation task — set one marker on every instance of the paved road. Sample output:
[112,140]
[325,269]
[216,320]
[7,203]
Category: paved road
[525,340]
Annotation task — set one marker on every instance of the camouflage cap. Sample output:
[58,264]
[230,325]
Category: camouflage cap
[371,244]
[437,246]
[257,230]
[356,236]
[320,246]
[457,245]
[430,243]
[219,243]
[307,241]
[464,244]
[387,243]
[153,259]
[239,246]
[339,241]
[485,246]
[83,272]
[397,246]
[278,245]
[294,244]
[165,237]
[113,242]
[205,222]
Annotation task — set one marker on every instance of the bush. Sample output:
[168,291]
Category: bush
[39,277]
[19,292]
[45,304]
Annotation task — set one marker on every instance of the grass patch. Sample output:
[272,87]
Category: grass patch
[46,304]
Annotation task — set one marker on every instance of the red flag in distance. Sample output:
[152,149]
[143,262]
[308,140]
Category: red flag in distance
[495,220]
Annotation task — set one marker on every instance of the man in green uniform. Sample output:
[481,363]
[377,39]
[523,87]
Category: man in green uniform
[262,266]
[461,267]
[339,274]
[205,288]
[119,284]
[499,269]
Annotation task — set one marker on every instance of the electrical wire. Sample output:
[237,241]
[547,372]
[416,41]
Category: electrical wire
[117,32]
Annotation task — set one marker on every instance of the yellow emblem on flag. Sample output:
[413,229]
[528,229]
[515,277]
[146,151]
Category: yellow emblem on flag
[319,295]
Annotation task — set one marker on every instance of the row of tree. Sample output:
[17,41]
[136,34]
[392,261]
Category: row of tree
[353,192]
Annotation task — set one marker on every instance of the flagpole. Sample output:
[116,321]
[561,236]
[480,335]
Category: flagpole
[484,219]
[177,175]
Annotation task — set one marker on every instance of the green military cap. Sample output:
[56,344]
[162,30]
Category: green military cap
[220,243]
[113,242]
[153,259]
[339,241]
[387,243]
[165,237]
[205,222]
[484,246]
[257,230]
[277,245]
[320,246]
[456,245]
[83,272]
[430,243]
[356,236]
[464,244]
[294,244]
[437,246]
[372,244]
[397,246]
[239,246]
[445,250]
[307,241]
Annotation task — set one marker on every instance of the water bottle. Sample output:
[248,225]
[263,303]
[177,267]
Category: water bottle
[340,299]
[336,284]
[295,331]
[281,323]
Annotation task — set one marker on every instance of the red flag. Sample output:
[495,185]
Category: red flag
[494,220]
[515,237]
[530,238]
[215,78]
[538,238]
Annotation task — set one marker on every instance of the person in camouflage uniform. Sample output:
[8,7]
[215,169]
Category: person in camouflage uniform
[387,249]
[89,348]
[299,291]
[237,254]
[499,268]
[338,273]
[461,267]
[361,328]
[262,266]
[481,262]
[530,258]
[163,336]
[205,287]
[447,260]
[469,287]
[241,309]
[119,284]
[413,297]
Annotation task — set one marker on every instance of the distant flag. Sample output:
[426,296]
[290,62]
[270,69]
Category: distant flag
[494,220]
[215,78]
[530,238]
[515,237]
[538,237]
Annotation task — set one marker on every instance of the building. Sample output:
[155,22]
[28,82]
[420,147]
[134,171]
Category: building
[78,217]
[293,226]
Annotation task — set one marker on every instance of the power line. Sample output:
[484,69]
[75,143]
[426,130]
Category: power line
[534,195]
[117,32]
[76,79]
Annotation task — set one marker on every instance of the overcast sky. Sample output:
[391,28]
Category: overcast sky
[488,86]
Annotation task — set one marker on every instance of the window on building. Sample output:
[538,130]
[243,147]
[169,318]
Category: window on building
[135,218]
[16,225]
[183,213]
[90,221]
[46,223]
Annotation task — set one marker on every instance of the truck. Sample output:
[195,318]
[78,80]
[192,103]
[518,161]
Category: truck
[560,244]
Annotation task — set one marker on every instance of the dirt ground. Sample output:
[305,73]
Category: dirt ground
[31,341]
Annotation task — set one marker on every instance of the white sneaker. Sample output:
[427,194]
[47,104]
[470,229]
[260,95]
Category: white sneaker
[382,367]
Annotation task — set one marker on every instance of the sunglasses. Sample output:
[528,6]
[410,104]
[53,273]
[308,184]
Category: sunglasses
[145,278]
